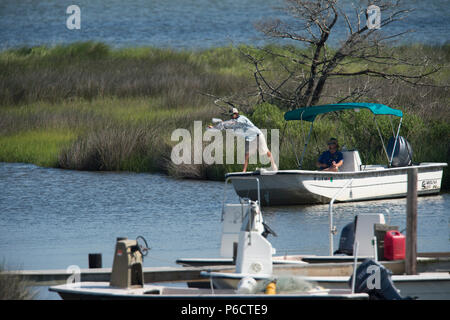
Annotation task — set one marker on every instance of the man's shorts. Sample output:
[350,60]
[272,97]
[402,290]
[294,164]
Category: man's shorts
[251,147]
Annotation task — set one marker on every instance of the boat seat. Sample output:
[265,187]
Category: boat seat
[352,161]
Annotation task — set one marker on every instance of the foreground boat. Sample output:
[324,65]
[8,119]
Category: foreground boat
[254,261]
[127,282]
[423,286]
[364,182]
[233,219]
[233,216]
[103,291]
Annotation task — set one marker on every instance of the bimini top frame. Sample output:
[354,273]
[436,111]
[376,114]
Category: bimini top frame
[310,114]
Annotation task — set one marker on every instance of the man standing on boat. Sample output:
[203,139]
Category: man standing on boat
[331,159]
[251,132]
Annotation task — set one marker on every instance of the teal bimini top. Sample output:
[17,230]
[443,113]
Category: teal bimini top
[310,113]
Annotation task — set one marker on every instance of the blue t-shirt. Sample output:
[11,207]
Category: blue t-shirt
[327,158]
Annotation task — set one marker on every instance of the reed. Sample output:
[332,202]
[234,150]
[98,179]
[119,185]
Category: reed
[13,287]
[114,148]
[90,70]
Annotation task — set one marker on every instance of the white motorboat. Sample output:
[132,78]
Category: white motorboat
[104,291]
[254,260]
[233,216]
[127,282]
[369,182]
[423,286]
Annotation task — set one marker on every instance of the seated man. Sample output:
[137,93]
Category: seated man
[331,159]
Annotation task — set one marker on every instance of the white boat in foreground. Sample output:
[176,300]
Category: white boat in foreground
[362,229]
[423,286]
[255,262]
[127,282]
[103,291]
[369,182]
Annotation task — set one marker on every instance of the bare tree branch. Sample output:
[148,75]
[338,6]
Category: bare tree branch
[304,73]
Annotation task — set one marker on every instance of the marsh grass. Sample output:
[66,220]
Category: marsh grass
[89,107]
[90,70]
[12,287]
[40,147]
[114,148]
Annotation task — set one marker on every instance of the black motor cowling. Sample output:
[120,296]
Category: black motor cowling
[402,155]
[346,240]
[375,280]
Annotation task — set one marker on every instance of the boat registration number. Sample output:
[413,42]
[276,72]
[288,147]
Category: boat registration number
[429,184]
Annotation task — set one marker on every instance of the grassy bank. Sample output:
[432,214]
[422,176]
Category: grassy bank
[12,287]
[89,107]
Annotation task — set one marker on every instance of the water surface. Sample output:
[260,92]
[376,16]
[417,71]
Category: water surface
[53,218]
[182,24]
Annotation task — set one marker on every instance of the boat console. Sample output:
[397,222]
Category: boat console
[352,161]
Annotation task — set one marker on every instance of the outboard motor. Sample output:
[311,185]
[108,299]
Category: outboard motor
[402,153]
[375,280]
[347,239]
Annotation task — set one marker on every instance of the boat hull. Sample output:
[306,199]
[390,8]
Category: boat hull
[103,291]
[423,286]
[291,187]
[433,286]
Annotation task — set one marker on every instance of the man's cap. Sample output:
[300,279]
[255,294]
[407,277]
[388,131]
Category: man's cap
[233,111]
[333,140]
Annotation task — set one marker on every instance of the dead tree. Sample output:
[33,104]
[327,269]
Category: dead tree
[365,51]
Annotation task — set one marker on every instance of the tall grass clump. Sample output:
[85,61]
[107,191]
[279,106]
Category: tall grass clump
[13,287]
[115,148]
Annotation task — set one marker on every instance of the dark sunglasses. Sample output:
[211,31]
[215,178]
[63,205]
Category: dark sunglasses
[331,143]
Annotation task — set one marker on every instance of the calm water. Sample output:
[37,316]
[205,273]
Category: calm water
[52,218]
[179,23]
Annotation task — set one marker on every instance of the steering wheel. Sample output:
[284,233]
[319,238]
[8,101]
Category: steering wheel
[268,230]
[142,245]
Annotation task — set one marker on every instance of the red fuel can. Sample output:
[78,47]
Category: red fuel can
[394,245]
